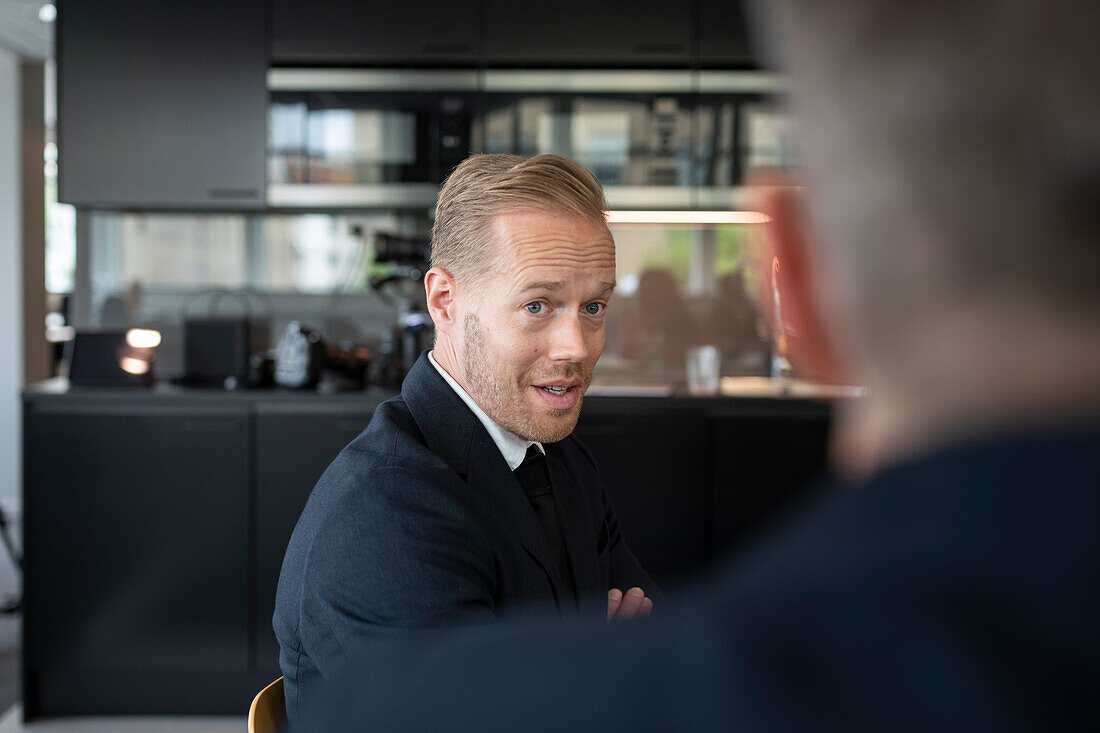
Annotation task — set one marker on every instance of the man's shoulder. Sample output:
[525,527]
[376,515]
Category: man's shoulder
[392,438]
[383,483]
[389,454]
[387,469]
[1010,512]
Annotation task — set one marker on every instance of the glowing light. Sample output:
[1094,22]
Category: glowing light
[143,338]
[696,218]
[60,334]
[47,13]
[132,365]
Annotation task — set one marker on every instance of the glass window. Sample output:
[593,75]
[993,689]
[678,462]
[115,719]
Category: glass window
[60,218]
[680,288]
[156,270]
[304,253]
[60,234]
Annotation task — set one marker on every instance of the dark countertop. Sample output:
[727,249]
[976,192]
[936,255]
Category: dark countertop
[59,390]
[738,398]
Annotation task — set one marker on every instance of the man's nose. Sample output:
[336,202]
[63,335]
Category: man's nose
[567,339]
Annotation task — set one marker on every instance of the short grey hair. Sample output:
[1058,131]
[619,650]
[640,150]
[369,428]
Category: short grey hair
[953,147]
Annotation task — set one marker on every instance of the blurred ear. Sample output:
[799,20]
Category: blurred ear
[439,287]
[788,262]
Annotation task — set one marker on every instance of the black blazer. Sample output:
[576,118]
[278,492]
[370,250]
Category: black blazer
[419,522]
[957,591]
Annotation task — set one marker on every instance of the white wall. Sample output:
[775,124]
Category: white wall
[11,286]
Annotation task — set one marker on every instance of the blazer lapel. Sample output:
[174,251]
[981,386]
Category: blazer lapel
[505,498]
[455,434]
[580,534]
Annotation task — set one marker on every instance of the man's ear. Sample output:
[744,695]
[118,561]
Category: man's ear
[788,262]
[440,289]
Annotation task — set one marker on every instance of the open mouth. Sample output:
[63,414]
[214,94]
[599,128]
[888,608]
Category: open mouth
[559,396]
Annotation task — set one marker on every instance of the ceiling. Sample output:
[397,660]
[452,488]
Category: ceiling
[22,32]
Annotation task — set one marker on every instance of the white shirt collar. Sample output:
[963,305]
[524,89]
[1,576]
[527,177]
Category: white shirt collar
[512,447]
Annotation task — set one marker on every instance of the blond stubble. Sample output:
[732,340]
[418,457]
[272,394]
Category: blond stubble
[504,400]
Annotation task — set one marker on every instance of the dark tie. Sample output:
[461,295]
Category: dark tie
[534,476]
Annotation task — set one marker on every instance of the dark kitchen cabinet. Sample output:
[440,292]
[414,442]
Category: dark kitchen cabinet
[413,32]
[654,465]
[724,35]
[578,33]
[765,462]
[162,104]
[137,558]
[155,522]
[294,445]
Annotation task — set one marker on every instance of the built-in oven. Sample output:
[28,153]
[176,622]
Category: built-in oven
[741,125]
[633,129]
[350,138]
[661,139]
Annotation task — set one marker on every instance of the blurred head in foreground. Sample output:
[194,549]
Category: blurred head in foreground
[951,250]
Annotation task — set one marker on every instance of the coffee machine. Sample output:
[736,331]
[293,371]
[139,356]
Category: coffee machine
[407,259]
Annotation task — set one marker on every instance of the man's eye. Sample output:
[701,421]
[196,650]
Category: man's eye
[594,309]
[535,307]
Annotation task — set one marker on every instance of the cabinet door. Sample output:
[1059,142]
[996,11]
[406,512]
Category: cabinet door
[576,32]
[137,554]
[294,446]
[724,36]
[654,466]
[413,32]
[765,463]
[161,104]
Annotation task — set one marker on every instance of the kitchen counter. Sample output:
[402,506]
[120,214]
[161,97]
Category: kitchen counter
[156,519]
[731,388]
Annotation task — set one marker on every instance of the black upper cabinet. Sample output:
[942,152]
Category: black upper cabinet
[581,32]
[411,32]
[162,104]
[725,39]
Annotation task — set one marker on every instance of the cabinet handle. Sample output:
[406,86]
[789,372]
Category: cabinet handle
[211,426]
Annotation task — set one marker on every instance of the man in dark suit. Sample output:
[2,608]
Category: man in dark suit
[949,579]
[466,498]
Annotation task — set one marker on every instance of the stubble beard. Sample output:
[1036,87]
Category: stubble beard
[503,396]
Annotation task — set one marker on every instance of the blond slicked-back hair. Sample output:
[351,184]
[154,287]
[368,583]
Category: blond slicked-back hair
[484,186]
